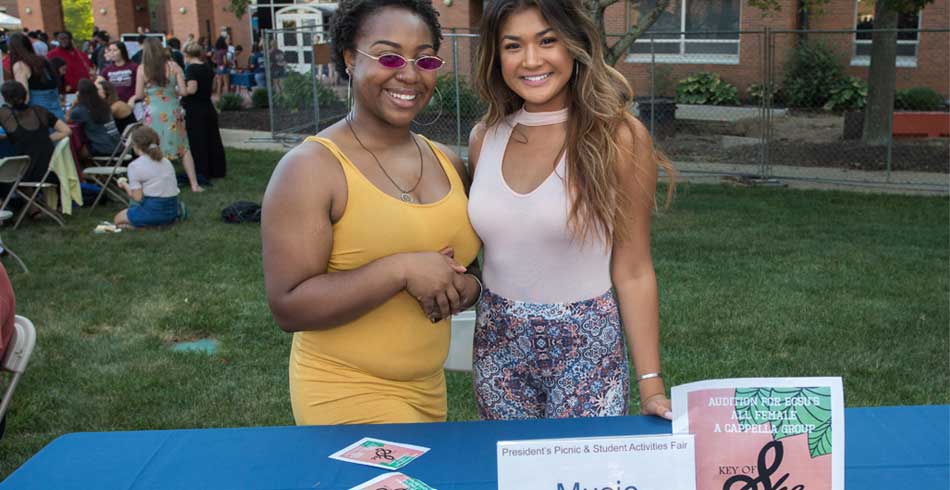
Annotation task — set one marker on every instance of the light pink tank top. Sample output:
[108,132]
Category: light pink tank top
[530,253]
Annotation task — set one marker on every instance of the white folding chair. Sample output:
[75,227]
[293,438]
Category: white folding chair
[104,175]
[12,170]
[17,355]
[23,190]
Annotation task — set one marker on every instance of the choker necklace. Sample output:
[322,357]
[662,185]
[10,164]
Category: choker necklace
[403,194]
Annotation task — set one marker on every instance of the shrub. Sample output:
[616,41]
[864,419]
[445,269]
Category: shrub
[663,79]
[918,99]
[297,93]
[259,98]
[230,102]
[850,94]
[757,90]
[811,75]
[470,105]
[706,88]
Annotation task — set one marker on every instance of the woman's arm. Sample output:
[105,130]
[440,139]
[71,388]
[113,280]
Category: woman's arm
[134,194]
[297,237]
[60,130]
[120,109]
[22,74]
[632,270]
[467,284]
[475,139]
[179,77]
[191,87]
[139,85]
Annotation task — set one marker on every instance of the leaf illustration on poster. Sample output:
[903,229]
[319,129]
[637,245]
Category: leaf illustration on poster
[790,411]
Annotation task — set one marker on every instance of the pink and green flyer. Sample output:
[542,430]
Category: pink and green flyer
[764,433]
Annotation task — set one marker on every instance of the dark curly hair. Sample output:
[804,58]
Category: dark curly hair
[349,17]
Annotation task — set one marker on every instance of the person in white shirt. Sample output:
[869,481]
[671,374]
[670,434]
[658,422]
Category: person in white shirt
[151,183]
[39,47]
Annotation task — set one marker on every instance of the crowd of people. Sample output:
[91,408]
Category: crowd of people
[95,91]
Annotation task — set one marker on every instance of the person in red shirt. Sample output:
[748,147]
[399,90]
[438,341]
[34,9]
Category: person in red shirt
[7,311]
[7,314]
[77,63]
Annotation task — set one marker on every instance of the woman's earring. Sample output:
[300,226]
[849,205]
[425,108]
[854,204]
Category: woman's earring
[349,89]
[438,115]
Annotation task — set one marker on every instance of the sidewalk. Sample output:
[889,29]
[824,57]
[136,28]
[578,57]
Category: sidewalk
[826,178]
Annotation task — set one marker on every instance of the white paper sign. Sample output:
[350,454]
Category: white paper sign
[598,463]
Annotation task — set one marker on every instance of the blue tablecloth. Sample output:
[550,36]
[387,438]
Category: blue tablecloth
[889,448]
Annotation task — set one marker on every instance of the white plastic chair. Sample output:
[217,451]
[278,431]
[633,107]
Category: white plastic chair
[17,355]
[12,170]
[111,167]
[33,189]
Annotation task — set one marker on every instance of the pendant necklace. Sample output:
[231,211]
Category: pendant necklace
[404,195]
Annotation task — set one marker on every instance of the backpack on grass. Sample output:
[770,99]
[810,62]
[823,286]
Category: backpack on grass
[242,212]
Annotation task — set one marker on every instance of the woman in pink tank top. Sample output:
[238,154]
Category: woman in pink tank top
[562,195]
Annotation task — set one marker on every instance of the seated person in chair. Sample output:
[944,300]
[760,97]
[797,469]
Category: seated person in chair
[28,128]
[95,116]
[7,314]
[121,111]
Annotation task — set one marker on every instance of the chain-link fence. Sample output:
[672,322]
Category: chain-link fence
[455,107]
[300,92]
[692,94]
[750,106]
[831,131]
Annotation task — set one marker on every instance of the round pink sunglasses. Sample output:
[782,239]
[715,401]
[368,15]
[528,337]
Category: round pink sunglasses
[395,61]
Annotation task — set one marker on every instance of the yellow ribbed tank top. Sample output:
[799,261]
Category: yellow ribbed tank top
[386,366]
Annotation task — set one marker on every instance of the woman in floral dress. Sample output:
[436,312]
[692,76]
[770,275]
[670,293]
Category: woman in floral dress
[156,82]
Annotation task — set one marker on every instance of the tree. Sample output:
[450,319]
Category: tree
[239,7]
[882,74]
[77,15]
[613,53]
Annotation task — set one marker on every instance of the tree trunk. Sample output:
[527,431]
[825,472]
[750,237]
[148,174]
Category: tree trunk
[613,53]
[882,76]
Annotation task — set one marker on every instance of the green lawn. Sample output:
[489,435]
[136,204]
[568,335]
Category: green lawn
[753,282]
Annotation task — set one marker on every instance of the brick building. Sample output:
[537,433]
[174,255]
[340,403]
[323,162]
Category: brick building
[175,17]
[9,7]
[722,36]
[725,37]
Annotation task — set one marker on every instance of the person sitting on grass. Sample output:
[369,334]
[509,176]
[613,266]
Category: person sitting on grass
[152,184]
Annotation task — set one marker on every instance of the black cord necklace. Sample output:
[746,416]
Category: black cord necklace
[403,194]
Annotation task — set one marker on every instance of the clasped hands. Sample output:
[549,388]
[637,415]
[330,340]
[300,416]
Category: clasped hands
[437,281]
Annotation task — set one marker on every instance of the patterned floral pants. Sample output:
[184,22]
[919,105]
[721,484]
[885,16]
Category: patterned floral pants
[560,360]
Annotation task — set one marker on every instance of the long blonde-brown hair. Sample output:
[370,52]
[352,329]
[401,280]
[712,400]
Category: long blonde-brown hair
[154,59]
[146,140]
[598,99]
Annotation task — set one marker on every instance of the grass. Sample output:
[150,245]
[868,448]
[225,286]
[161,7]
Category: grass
[753,282]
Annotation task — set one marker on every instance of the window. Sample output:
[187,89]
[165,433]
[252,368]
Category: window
[689,31]
[303,26]
[906,41]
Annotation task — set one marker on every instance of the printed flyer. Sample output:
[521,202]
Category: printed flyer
[393,481]
[764,433]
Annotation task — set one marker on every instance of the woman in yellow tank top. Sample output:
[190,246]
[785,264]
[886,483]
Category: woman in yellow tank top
[365,233]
